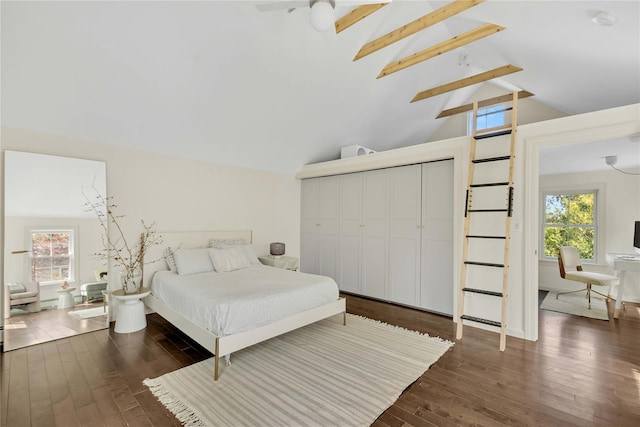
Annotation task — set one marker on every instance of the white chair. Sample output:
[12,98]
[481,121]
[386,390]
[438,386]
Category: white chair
[26,296]
[571,269]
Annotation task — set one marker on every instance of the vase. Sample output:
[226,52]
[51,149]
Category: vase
[130,281]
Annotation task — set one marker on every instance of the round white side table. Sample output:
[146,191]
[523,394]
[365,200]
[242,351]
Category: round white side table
[131,316]
[65,299]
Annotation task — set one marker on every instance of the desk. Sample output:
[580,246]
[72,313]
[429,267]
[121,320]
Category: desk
[65,299]
[131,316]
[621,266]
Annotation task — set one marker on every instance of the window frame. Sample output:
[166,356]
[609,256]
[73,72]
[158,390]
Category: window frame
[73,246]
[482,112]
[598,220]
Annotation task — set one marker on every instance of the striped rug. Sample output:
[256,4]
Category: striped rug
[324,374]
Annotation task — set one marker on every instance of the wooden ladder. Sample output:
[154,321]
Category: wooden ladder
[481,230]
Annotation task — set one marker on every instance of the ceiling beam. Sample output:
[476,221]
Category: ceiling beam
[467,81]
[440,48]
[484,103]
[357,15]
[438,15]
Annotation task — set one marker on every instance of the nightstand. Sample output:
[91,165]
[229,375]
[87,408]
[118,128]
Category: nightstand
[282,261]
[131,317]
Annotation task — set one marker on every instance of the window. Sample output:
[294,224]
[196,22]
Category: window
[570,220]
[52,255]
[488,118]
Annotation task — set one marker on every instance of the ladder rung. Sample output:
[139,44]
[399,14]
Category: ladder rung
[483,291]
[475,236]
[492,134]
[479,320]
[488,210]
[491,159]
[489,184]
[484,264]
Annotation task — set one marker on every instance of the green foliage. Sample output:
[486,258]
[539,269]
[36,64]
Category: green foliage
[570,221]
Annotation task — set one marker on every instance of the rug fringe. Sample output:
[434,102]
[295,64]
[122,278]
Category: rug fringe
[424,334]
[181,411]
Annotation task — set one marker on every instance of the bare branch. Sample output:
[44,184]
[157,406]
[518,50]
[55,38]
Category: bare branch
[116,247]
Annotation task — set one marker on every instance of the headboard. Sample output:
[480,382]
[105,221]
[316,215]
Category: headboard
[183,239]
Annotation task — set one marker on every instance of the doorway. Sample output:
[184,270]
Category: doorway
[532,221]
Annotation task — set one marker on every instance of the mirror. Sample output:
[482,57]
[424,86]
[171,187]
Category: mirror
[53,281]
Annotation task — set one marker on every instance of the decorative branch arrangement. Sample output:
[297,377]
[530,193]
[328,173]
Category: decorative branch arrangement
[129,257]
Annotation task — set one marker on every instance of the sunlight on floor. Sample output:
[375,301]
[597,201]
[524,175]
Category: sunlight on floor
[636,376]
[18,325]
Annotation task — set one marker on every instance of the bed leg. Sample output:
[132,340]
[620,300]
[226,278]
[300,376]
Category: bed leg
[344,318]
[216,360]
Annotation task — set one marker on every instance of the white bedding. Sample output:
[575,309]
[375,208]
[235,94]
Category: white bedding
[237,301]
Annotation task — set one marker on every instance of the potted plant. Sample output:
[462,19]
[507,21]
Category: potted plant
[116,247]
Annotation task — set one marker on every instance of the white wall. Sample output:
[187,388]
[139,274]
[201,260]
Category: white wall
[621,204]
[183,195]
[529,111]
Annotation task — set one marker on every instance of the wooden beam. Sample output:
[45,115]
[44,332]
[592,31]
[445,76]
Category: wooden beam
[419,24]
[357,15]
[484,103]
[467,81]
[440,48]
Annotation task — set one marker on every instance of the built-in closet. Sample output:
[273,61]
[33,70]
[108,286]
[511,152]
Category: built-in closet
[385,234]
[320,226]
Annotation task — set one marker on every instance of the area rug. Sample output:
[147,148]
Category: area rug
[87,313]
[576,304]
[324,374]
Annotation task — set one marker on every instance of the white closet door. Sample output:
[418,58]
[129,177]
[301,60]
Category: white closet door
[437,285]
[375,233]
[350,232]
[404,236]
[309,226]
[328,229]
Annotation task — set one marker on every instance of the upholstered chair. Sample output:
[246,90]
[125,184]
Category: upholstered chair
[571,269]
[27,296]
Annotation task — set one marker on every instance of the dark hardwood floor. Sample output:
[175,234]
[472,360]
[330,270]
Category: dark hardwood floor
[581,372]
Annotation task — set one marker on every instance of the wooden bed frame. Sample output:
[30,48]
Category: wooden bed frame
[222,346]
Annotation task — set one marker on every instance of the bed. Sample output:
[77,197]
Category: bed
[231,310]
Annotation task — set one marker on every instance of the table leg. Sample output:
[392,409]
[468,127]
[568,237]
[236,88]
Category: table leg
[616,312]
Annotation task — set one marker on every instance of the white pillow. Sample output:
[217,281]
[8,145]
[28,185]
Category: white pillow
[170,259]
[229,243]
[251,255]
[228,259]
[192,261]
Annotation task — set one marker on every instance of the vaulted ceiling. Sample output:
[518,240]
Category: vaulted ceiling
[225,82]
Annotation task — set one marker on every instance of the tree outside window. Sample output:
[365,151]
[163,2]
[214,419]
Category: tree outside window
[570,220]
[52,255]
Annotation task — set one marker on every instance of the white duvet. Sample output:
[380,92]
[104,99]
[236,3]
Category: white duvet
[237,301]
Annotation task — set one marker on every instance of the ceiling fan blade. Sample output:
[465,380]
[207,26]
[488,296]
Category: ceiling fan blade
[350,3]
[270,6]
